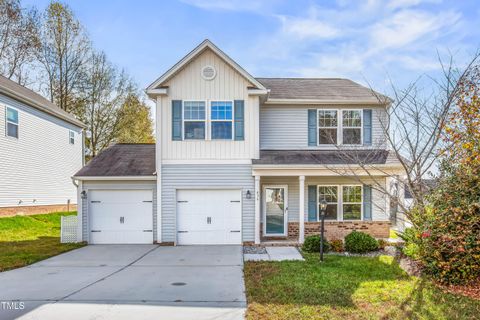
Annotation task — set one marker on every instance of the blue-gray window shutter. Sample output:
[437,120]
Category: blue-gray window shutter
[312,127]
[312,203]
[367,127]
[367,202]
[176,119]
[239,120]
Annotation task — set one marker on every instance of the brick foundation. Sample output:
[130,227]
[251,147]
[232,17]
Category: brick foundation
[29,210]
[339,229]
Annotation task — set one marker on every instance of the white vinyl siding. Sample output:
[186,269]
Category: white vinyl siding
[228,85]
[36,168]
[286,127]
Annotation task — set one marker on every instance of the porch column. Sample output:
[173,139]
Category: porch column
[257,209]
[301,211]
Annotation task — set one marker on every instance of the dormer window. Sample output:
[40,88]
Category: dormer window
[194,120]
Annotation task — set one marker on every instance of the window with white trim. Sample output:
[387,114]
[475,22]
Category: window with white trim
[327,126]
[12,122]
[71,137]
[329,194]
[352,126]
[194,121]
[352,202]
[221,117]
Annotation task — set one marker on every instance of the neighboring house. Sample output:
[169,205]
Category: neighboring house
[240,159]
[41,148]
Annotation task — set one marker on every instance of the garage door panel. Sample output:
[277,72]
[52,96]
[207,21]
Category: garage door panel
[209,216]
[121,216]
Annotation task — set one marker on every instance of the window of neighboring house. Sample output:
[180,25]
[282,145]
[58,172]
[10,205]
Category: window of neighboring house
[194,120]
[330,194]
[327,127]
[352,126]
[71,137]
[221,117]
[12,122]
[352,202]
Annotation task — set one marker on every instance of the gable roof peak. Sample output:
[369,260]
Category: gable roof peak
[195,53]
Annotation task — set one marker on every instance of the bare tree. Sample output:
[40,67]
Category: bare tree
[103,92]
[64,51]
[413,127]
[19,41]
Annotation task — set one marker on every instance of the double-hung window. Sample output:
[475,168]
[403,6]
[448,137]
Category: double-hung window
[352,126]
[71,136]
[352,202]
[221,118]
[194,120]
[12,123]
[327,127]
[344,202]
[329,194]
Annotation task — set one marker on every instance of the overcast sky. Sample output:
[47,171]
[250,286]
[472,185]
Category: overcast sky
[367,41]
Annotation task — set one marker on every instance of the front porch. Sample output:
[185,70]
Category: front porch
[286,208]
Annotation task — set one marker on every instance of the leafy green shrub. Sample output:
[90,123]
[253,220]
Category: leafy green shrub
[336,245]
[360,242]
[412,250]
[312,244]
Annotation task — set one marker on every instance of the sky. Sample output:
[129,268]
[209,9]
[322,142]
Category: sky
[377,43]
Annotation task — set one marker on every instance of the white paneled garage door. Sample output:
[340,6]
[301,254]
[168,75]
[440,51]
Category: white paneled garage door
[121,216]
[209,217]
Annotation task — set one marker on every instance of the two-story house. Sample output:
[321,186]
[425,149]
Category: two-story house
[41,147]
[240,159]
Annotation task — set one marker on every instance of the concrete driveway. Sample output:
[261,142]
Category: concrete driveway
[129,282]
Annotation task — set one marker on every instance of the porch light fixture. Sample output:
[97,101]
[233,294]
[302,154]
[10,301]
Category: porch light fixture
[248,195]
[83,194]
[323,210]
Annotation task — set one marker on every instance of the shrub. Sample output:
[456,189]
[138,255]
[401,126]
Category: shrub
[412,250]
[312,244]
[360,242]
[382,244]
[336,245]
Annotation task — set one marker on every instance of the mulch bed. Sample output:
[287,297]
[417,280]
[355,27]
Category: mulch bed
[471,291]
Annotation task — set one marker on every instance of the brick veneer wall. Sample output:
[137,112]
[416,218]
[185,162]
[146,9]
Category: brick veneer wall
[339,229]
[29,210]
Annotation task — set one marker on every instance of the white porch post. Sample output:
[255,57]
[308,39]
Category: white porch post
[257,209]
[301,211]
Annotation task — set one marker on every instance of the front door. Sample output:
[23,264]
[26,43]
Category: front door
[275,211]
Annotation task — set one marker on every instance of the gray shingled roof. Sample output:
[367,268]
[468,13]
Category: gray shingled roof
[319,89]
[33,99]
[122,160]
[323,157]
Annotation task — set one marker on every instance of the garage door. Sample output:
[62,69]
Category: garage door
[121,216]
[209,217]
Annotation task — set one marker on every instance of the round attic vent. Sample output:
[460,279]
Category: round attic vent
[208,73]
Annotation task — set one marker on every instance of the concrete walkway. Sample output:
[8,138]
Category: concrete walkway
[130,282]
[275,254]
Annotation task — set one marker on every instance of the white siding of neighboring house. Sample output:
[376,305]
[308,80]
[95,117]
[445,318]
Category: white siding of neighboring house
[35,169]
[227,85]
[286,127]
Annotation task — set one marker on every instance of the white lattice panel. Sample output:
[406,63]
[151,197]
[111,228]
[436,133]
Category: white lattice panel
[68,229]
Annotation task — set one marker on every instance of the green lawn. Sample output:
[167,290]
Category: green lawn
[347,288]
[28,239]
